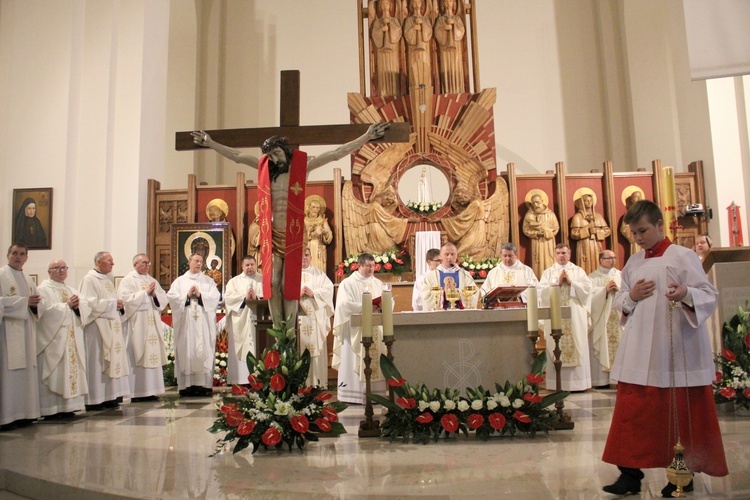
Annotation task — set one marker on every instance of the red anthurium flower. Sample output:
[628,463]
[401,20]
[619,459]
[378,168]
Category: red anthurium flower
[728,355]
[475,421]
[377,267]
[329,413]
[246,427]
[728,392]
[228,408]
[300,423]
[747,340]
[482,273]
[534,379]
[255,382]
[719,376]
[407,403]
[497,421]
[235,418]
[304,390]
[271,437]
[340,271]
[238,390]
[354,266]
[396,382]
[424,418]
[323,424]
[472,273]
[388,266]
[278,382]
[398,261]
[272,359]
[532,398]
[746,393]
[323,396]
[522,417]
[449,422]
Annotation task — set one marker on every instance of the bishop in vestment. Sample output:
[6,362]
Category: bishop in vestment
[605,318]
[241,292]
[107,366]
[194,298]
[347,340]
[19,385]
[575,291]
[62,355]
[316,309]
[143,300]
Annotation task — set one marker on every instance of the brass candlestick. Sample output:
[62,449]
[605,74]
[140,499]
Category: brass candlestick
[368,427]
[563,419]
[533,337]
[388,341]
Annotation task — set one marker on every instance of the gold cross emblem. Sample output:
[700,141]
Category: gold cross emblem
[296,188]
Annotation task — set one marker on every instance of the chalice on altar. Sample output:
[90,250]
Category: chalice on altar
[452,295]
[468,291]
[437,292]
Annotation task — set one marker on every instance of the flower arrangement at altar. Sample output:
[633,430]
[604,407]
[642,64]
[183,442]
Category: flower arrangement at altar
[420,414]
[477,268]
[393,261]
[732,380]
[221,358]
[168,370]
[277,408]
[427,207]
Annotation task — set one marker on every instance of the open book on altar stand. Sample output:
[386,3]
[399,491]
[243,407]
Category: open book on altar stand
[504,297]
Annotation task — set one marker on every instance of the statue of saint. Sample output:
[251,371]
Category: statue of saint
[480,226]
[385,32]
[540,226]
[317,230]
[217,210]
[418,35]
[630,195]
[253,238]
[449,32]
[589,229]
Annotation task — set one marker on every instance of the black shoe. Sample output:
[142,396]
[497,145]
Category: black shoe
[98,407]
[144,398]
[670,488]
[111,404]
[628,483]
[184,393]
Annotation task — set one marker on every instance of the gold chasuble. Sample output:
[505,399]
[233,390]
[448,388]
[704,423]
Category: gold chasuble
[290,247]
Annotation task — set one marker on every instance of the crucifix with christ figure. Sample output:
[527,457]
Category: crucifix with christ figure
[282,175]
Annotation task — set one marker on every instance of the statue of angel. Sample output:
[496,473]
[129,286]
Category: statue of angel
[481,226]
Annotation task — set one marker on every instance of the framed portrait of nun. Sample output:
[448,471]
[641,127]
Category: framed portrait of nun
[32,218]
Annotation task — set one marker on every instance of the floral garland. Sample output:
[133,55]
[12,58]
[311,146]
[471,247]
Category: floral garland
[477,268]
[424,207]
[277,409]
[392,261]
[732,380]
[221,358]
[420,414]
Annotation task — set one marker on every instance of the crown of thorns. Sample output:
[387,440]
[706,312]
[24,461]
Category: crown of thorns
[274,142]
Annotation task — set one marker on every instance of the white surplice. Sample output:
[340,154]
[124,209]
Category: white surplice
[643,357]
[519,274]
[107,366]
[432,279]
[62,355]
[315,323]
[194,324]
[19,381]
[347,340]
[605,324]
[144,333]
[240,325]
[576,365]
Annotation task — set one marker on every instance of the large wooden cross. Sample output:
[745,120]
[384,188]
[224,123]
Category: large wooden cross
[290,127]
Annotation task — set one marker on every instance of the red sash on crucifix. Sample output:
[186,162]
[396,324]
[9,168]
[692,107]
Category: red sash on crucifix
[295,222]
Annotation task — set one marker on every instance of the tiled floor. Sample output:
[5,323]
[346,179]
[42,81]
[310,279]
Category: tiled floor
[161,450]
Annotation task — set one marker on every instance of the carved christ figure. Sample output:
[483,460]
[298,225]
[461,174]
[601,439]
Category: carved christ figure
[449,33]
[386,36]
[540,226]
[282,175]
[589,229]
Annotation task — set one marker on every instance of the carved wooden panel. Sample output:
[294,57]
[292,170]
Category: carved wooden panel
[163,265]
[172,212]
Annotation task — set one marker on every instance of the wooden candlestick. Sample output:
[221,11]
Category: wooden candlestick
[368,427]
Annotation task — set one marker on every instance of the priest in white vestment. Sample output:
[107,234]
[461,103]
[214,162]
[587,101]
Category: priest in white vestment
[241,293]
[316,309]
[144,299]
[433,260]
[347,340]
[107,366]
[194,299]
[19,383]
[509,272]
[575,291]
[447,270]
[59,341]
[605,318]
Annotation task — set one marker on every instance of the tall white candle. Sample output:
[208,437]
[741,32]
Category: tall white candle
[555,308]
[367,315]
[532,311]
[387,308]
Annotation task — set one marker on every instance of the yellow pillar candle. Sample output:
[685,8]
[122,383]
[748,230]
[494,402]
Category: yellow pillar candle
[366,315]
[532,311]
[387,308]
[669,202]
[555,308]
